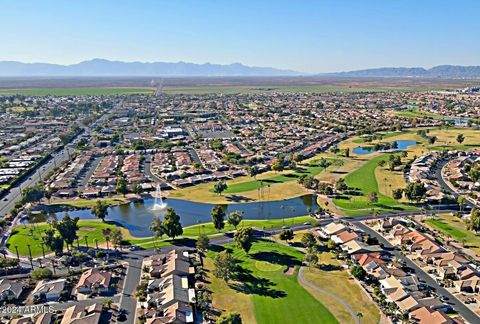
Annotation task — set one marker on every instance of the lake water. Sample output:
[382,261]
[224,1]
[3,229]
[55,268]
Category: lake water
[458,121]
[402,145]
[137,217]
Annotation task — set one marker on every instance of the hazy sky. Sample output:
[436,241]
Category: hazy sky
[307,36]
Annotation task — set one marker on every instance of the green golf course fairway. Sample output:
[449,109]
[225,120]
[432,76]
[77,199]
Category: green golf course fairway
[364,180]
[276,296]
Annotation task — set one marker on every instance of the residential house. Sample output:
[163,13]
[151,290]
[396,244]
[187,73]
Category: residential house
[80,314]
[10,289]
[93,281]
[49,290]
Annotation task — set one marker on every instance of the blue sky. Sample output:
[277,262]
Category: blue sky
[307,36]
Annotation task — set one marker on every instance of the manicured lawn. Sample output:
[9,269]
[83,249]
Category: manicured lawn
[74,91]
[22,236]
[453,147]
[365,182]
[311,170]
[413,113]
[274,296]
[337,281]
[88,203]
[456,229]
[208,228]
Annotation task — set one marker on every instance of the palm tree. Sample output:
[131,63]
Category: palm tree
[107,303]
[107,232]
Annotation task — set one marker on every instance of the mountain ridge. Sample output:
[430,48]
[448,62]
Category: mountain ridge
[103,67]
[111,68]
[439,71]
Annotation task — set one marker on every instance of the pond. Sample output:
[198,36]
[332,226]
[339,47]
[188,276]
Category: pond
[401,145]
[458,121]
[137,217]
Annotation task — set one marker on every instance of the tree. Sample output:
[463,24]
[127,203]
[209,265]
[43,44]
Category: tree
[244,238]
[107,303]
[234,218]
[381,163]
[308,240]
[137,189]
[218,215]
[100,210]
[340,185]
[229,318]
[67,229]
[202,242]
[347,152]
[373,197]
[461,202]
[41,273]
[224,265]
[331,245]
[117,237]
[277,165]
[286,235]
[53,241]
[358,272]
[157,228]
[415,191]
[203,300]
[474,174]
[48,194]
[121,187]
[107,234]
[171,224]
[460,138]
[32,194]
[397,193]
[432,139]
[473,223]
[220,187]
[252,171]
[312,259]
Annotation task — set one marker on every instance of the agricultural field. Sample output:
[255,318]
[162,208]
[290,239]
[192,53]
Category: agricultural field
[74,91]
[263,291]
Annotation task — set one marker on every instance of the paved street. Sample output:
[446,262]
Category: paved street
[457,305]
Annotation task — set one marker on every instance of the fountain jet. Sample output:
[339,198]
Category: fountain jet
[158,204]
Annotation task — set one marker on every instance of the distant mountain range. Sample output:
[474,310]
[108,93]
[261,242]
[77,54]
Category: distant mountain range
[106,68]
[441,71]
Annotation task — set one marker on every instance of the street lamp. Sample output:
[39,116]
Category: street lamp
[30,254]
[53,266]
[43,249]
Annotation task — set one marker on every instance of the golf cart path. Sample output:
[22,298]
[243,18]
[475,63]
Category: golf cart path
[305,282]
